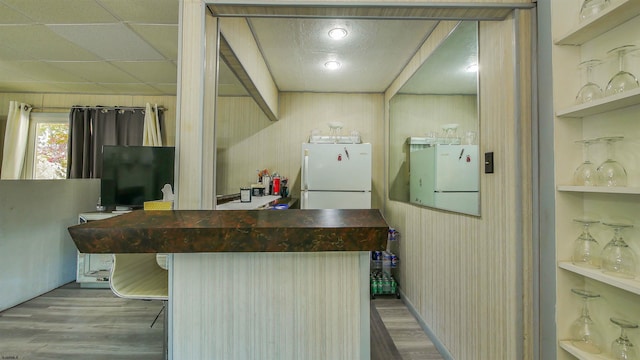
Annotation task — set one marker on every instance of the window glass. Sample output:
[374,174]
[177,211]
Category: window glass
[47,151]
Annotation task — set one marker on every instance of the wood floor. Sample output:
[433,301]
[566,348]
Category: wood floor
[72,323]
[407,335]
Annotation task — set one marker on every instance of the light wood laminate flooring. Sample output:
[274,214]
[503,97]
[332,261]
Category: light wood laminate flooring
[407,335]
[72,323]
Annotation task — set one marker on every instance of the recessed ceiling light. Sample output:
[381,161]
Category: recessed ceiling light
[337,33]
[332,65]
[472,68]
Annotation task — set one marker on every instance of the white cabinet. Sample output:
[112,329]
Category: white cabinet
[93,269]
[617,115]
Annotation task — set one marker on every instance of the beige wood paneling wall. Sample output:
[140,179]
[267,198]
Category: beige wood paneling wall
[463,274]
[247,141]
[526,33]
[195,128]
[239,149]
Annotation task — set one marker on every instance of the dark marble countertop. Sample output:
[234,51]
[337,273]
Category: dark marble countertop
[191,231]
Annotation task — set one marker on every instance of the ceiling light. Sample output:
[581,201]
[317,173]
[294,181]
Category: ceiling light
[332,65]
[337,33]
[472,68]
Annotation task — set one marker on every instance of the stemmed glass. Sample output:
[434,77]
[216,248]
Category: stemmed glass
[590,90]
[450,133]
[611,172]
[622,80]
[622,348]
[585,333]
[591,8]
[617,257]
[586,249]
[585,174]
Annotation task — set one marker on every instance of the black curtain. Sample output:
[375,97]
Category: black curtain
[91,128]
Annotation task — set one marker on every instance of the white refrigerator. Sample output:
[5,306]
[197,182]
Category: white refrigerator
[336,176]
[446,177]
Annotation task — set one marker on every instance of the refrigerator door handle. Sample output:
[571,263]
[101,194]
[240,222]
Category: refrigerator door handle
[305,169]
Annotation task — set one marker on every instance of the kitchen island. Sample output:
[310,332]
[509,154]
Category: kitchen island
[256,284]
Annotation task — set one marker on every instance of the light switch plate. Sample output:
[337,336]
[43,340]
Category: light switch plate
[488,162]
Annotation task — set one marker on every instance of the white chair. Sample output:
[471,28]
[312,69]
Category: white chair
[139,276]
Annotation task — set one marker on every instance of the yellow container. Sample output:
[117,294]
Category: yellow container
[158,205]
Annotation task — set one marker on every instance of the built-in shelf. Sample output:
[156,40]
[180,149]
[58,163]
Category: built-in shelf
[630,285]
[580,354]
[614,15]
[601,189]
[605,104]
[575,41]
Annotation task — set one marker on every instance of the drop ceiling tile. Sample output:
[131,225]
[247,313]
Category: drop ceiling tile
[63,11]
[166,89]
[83,88]
[38,70]
[97,72]
[150,71]
[163,38]
[11,16]
[109,41]
[29,86]
[38,42]
[9,73]
[8,53]
[132,89]
[145,11]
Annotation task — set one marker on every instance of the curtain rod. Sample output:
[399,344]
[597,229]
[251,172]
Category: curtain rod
[161,108]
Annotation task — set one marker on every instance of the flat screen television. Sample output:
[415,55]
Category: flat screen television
[132,175]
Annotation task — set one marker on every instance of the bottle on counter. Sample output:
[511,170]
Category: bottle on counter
[275,187]
[266,182]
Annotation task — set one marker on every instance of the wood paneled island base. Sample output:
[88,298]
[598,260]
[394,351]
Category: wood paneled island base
[270,306]
[257,284]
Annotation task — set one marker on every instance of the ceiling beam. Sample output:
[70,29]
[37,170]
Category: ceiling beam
[241,54]
[433,11]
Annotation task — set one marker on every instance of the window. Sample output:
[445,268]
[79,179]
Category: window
[47,146]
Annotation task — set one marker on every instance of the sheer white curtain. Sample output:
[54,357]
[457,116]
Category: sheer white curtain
[152,135]
[15,141]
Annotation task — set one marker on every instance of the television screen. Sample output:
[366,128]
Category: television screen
[132,175]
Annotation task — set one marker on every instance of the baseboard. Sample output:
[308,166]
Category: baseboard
[434,339]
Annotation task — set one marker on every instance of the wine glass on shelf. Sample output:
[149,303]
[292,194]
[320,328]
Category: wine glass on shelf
[617,258]
[590,90]
[622,348]
[591,8]
[586,250]
[611,172]
[586,173]
[622,80]
[585,333]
